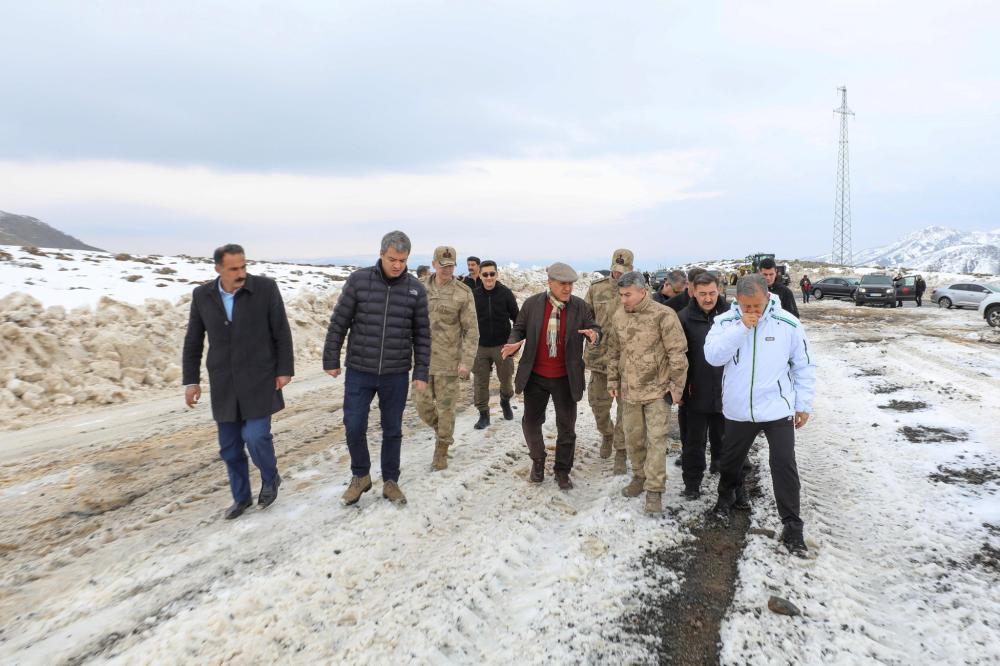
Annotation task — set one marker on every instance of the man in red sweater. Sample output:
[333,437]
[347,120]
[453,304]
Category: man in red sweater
[551,327]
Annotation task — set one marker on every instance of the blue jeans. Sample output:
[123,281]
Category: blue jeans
[256,434]
[360,389]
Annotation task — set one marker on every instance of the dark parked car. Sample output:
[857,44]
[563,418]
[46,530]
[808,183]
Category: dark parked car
[835,287]
[876,288]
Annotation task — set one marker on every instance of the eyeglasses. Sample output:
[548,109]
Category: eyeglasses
[487,275]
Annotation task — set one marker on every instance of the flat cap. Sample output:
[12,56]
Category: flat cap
[561,272]
[445,256]
[622,261]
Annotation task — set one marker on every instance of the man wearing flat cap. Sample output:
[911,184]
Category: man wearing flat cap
[551,328]
[454,340]
[603,299]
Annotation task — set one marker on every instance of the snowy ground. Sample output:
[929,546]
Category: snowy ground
[113,549]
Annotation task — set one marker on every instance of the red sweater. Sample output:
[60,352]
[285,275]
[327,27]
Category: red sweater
[545,365]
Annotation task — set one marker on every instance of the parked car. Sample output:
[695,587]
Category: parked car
[963,294]
[875,288]
[835,287]
[989,308]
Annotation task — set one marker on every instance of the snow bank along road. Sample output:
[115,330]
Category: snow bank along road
[113,549]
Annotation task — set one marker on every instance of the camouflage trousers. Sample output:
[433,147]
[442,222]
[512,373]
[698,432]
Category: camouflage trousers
[482,370]
[646,439]
[600,403]
[436,406]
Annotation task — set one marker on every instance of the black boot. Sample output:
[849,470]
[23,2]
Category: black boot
[792,538]
[691,492]
[508,413]
[537,471]
[237,509]
[269,493]
[484,420]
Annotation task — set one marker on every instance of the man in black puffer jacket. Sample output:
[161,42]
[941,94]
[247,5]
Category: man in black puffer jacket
[703,392]
[385,309]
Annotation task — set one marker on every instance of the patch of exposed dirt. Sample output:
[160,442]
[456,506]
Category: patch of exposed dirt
[684,626]
[870,372]
[977,476]
[987,558]
[932,434]
[887,388]
[904,405]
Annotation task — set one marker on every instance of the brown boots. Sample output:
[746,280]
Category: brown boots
[621,462]
[606,446]
[653,502]
[359,486]
[440,460]
[634,488]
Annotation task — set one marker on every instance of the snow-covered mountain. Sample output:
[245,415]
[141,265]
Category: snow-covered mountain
[939,249]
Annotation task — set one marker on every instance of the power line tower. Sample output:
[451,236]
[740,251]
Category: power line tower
[842,208]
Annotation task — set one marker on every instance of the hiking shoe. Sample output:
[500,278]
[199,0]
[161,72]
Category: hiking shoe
[606,446]
[484,420]
[537,471]
[440,460]
[562,478]
[508,413]
[741,503]
[677,462]
[691,493]
[359,486]
[237,509]
[621,462]
[269,493]
[793,541]
[391,491]
[634,487]
[721,510]
[653,503]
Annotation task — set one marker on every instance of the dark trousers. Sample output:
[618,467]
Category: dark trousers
[255,435]
[360,388]
[780,435]
[682,414]
[805,296]
[920,299]
[536,402]
[702,427]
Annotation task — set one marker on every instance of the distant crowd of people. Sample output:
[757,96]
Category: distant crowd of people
[734,370]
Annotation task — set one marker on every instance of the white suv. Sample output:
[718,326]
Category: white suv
[990,309]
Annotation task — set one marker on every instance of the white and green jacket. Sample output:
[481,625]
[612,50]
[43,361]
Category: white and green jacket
[769,373]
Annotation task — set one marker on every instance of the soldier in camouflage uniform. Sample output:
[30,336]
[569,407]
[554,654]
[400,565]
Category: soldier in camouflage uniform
[454,339]
[647,358]
[602,297]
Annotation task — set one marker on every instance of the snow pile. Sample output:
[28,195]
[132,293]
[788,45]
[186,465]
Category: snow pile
[937,249]
[54,357]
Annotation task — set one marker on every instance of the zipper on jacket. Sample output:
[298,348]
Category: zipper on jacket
[489,309]
[753,371]
[782,394]
[385,319]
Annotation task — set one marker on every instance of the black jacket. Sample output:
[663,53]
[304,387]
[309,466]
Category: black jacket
[472,284]
[529,328]
[388,324]
[703,392]
[495,310]
[245,355]
[786,296]
[680,301]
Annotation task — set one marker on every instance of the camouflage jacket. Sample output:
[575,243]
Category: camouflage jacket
[603,299]
[647,352]
[454,327]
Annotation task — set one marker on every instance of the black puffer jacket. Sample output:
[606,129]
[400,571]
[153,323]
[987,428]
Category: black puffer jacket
[388,323]
[496,310]
[703,392]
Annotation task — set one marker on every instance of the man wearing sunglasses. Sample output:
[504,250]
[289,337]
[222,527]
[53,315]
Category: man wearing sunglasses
[496,310]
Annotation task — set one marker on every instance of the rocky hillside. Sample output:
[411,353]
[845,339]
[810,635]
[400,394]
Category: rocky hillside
[24,230]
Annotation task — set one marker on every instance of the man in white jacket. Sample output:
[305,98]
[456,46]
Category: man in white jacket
[767,386]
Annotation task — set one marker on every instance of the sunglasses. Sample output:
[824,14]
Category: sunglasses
[487,275]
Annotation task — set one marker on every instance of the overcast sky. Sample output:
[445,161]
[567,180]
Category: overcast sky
[522,131]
